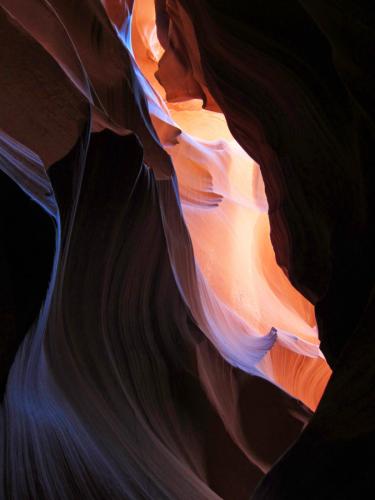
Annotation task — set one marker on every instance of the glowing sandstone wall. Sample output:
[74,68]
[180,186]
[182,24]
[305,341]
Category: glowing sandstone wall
[225,208]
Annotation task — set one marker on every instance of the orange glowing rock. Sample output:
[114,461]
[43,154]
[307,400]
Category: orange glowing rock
[225,209]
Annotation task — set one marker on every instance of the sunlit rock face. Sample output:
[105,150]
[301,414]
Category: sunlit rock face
[226,211]
[186,192]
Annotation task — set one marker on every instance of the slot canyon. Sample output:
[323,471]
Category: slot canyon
[187,249]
